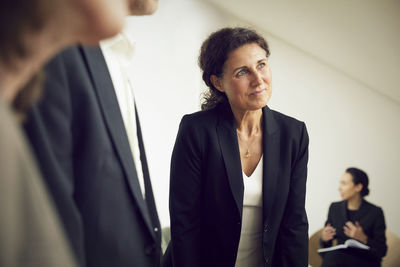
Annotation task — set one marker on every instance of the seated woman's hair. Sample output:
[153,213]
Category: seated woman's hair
[214,52]
[359,177]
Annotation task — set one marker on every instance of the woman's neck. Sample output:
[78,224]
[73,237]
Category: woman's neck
[248,123]
[354,203]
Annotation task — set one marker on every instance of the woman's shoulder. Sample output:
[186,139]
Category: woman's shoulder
[202,115]
[286,124]
[371,207]
[337,204]
[199,119]
[366,206]
[285,119]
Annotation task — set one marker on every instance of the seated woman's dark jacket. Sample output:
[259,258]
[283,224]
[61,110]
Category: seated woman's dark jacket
[371,219]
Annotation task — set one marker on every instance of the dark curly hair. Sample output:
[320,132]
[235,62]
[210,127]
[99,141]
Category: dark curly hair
[359,177]
[214,53]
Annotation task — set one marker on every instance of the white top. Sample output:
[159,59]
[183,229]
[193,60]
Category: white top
[118,53]
[250,251]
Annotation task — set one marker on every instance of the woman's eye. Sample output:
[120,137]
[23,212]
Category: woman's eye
[261,65]
[241,73]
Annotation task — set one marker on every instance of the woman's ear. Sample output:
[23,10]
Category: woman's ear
[359,187]
[216,82]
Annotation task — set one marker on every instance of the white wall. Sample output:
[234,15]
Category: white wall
[348,124]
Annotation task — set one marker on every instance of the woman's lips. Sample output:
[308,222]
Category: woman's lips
[258,92]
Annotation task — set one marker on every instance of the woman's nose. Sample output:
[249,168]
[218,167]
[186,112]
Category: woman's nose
[257,78]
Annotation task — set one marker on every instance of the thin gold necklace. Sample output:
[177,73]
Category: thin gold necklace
[247,154]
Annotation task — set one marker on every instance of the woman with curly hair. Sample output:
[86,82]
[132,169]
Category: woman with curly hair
[238,169]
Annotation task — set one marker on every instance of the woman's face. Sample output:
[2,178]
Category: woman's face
[347,188]
[246,78]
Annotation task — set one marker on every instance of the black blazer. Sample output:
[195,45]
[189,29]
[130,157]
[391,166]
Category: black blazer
[206,190]
[370,218]
[80,140]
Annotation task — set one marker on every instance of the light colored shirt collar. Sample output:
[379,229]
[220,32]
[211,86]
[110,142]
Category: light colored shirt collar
[122,45]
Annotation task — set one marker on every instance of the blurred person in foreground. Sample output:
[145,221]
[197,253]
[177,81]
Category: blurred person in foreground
[32,32]
[86,134]
[238,169]
[354,218]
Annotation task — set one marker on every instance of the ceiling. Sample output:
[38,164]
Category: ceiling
[360,38]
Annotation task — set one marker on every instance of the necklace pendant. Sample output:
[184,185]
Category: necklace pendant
[247,154]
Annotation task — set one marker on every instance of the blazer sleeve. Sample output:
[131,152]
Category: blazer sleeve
[185,197]
[293,233]
[49,130]
[377,240]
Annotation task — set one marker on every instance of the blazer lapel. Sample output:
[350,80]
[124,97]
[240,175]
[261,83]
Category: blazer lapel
[151,205]
[230,152]
[343,211]
[271,150]
[362,211]
[104,89]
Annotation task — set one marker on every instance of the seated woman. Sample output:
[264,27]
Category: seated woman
[354,218]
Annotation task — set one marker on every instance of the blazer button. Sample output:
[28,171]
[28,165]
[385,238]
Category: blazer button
[266,228]
[155,229]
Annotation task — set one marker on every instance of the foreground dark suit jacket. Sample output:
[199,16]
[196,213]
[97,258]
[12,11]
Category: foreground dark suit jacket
[370,218]
[80,140]
[206,190]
